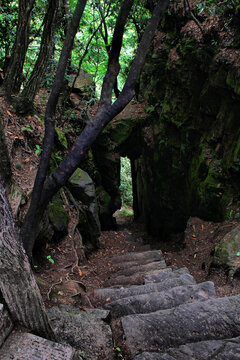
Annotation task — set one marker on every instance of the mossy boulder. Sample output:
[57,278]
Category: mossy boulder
[83,190]
[84,85]
[58,217]
[227,251]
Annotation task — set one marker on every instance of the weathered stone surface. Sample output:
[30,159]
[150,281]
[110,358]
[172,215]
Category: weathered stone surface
[145,268]
[83,190]
[24,346]
[147,303]
[111,294]
[138,256]
[227,250]
[6,324]
[162,276]
[207,320]
[86,331]
[135,279]
[228,349]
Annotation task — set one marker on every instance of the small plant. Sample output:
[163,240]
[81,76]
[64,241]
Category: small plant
[49,258]
[38,150]
[118,351]
[26,128]
[229,214]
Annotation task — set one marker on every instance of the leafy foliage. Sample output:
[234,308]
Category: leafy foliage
[215,6]
[126,183]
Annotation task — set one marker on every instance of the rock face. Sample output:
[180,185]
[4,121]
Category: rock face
[185,151]
[85,330]
[23,346]
[190,157]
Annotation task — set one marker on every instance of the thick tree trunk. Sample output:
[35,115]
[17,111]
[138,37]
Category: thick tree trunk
[17,282]
[13,78]
[5,165]
[46,49]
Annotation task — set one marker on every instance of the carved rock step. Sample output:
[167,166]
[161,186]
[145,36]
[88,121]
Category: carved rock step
[161,276]
[101,296]
[6,324]
[87,331]
[147,303]
[117,265]
[228,349]
[145,268]
[24,346]
[138,256]
[135,279]
[118,277]
[205,320]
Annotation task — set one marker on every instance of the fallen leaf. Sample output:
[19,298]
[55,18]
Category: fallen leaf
[27,160]
[79,271]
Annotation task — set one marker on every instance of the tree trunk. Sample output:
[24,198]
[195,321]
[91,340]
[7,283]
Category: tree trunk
[17,283]
[13,78]
[5,165]
[46,49]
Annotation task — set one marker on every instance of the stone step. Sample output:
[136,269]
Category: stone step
[25,346]
[145,268]
[228,349]
[87,331]
[151,302]
[161,276]
[193,322]
[138,256]
[135,279]
[101,296]
[127,264]
[6,324]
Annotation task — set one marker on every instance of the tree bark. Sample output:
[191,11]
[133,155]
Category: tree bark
[17,283]
[5,165]
[106,112]
[46,49]
[13,78]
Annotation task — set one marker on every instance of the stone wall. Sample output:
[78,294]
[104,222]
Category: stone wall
[190,157]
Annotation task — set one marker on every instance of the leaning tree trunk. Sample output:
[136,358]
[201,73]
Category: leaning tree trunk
[46,50]
[13,78]
[17,283]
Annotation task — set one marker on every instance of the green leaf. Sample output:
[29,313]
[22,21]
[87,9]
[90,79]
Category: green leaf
[118,348]
[238,253]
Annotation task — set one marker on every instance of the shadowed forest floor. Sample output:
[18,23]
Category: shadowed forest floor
[64,282]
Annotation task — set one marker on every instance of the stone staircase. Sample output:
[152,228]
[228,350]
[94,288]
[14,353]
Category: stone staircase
[147,311]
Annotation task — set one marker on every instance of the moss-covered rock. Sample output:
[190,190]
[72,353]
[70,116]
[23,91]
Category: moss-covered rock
[83,190]
[58,217]
[227,251]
